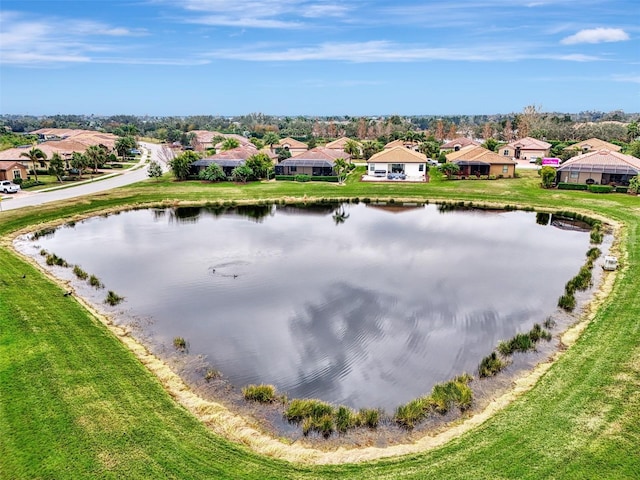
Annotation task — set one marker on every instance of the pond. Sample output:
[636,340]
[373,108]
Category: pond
[361,305]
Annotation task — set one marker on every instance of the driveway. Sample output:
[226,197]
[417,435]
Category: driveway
[134,174]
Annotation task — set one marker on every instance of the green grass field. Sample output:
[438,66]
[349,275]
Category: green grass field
[76,403]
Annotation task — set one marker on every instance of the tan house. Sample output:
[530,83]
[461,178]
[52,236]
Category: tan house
[399,163]
[526,149]
[227,159]
[401,143]
[593,145]
[10,170]
[294,146]
[477,161]
[341,143]
[604,167]
[318,161]
[458,143]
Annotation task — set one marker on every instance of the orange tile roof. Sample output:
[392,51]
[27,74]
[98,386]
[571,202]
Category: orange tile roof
[594,144]
[479,154]
[398,154]
[461,141]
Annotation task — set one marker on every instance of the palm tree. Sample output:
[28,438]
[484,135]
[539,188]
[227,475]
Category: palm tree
[96,156]
[352,148]
[271,139]
[36,156]
[633,131]
[340,166]
[230,144]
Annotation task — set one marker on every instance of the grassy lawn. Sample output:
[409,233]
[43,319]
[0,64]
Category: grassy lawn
[76,403]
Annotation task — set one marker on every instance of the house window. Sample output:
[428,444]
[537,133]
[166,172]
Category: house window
[505,169]
[16,174]
[397,168]
[421,167]
[505,153]
[575,175]
[293,169]
[372,167]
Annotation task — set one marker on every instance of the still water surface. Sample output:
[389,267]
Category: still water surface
[367,309]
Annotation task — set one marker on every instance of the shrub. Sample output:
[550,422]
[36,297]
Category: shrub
[259,393]
[180,343]
[567,302]
[549,323]
[593,253]
[572,186]
[80,273]
[302,178]
[521,343]
[212,374]
[600,188]
[345,419]
[53,259]
[285,177]
[95,282]
[492,177]
[454,392]
[490,365]
[325,425]
[43,233]
[113,298]
[299,409]
[621,189]
[369,417]
[411,413]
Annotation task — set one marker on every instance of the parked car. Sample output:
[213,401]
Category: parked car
[7,186]
[432,163]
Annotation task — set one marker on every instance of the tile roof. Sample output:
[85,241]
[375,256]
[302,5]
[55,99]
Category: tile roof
[292,143]
[594,144]
[339,143]
[9,164]
[528,143]
[398,154]
[461,141]
[473,153]
[239,153]
[602,159]
[321,153]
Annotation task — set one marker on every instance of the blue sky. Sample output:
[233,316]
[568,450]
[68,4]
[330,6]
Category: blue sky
[317,57]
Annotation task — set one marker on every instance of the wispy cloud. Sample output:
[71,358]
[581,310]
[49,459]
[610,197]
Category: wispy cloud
[275,14]
[386,51]
[596,35]
[41,42]
[626,78]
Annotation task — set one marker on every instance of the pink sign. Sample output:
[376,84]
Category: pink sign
[551,162]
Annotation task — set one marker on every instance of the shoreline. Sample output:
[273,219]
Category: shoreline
[247,431]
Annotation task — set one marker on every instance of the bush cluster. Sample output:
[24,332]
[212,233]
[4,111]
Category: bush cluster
[600,188]
[442,398]
[113,298]
[259,393]
[322,417]
[572,186]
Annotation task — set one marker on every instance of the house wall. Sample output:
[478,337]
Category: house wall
[16,171]
[579,177]
[410,169]
[510,152]
[498,170]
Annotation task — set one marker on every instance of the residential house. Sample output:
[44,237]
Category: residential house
[10,170]
[318,161]
[458,143]
[398,160]
[604,167]
[243,141]
[294,146]
[594,145]
[402,143]
[526,149]
[476,161]
[227,159]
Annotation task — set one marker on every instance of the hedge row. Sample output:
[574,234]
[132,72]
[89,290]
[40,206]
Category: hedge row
[572,186]
[306,178]
[600,188]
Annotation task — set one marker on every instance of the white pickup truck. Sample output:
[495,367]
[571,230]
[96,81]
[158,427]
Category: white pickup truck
[9,187]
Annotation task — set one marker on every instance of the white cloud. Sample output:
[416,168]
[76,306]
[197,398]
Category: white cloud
[596,35]
[383,51]
[627,78]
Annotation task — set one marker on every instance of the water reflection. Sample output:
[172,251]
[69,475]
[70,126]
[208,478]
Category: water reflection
[369,314]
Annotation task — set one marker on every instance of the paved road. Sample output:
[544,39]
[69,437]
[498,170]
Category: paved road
[133,175]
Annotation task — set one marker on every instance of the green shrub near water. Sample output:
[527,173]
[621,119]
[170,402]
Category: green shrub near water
[490,365]
[301,408]
[259,393]
[80,273]
[95,282]
[567,302]
[53,259]
[345,419]
[180,343]
[369,417]
[113,298]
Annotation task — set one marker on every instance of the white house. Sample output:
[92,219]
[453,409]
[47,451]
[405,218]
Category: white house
[398,160]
